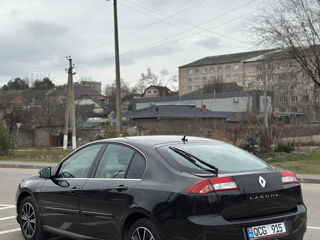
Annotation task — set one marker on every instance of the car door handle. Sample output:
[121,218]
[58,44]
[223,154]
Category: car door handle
[121,188]
[73,190]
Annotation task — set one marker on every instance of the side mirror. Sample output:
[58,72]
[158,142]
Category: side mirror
[45,173]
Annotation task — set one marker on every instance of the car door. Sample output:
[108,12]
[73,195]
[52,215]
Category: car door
[107,195]
[59,197]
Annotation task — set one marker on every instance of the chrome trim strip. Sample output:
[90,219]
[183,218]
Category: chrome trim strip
[62,210]
[121,179]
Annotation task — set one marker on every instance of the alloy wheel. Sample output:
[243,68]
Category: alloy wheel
[28,220]
[142,233]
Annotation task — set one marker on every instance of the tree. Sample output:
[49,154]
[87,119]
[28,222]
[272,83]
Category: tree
[45,84]
[293,26]
[16,84]
[150,78]
[111,92]
[6,140]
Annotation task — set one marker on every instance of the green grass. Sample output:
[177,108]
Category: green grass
[304,161]
[37,155]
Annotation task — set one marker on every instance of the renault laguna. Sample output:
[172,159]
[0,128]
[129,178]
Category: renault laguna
[160,188]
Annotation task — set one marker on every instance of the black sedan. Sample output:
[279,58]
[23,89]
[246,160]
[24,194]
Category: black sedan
[162,187]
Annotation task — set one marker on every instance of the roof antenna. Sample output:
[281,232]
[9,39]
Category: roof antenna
[184,139]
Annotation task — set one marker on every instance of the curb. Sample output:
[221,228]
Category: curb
[24,166]
[309,180]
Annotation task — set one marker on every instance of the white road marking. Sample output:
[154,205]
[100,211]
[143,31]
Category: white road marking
[10,231]
[7,218]
[314,228]
[8,207]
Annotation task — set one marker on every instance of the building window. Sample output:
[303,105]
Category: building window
[306,86]
[293,64]
[228,68]
[204,79]
[282,110]
[212,78]
[304,74]
[270,77]
[228,76]
[155,91]
[197,87]
[294,87]
[190,71]
[281,88]
[270,66]
[294,99]
[317,97]
[149,92]
[259,68]
[212,69]
[220,69]
[204,70]
[197,79]
[189,88]
[236,76]
[196,70]
[259,78]
[293,76]
[306,98]
[220,77]
[236,67]
[294,109]
[282,99]
[189,80]
[281,66]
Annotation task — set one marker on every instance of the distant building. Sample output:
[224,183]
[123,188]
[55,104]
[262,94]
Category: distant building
[157,91]
[93,85]
[295,96]
[205,109]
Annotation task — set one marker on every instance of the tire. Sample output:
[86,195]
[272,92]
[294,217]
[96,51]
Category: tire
[145,229]
[29,219]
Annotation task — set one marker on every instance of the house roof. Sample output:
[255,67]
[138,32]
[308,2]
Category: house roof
[227,58]
[163,90]
[177,111]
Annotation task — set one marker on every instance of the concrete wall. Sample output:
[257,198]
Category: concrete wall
[232,104]
[25,138]
[197,127]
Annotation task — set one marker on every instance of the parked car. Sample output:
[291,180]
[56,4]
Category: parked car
[162,187]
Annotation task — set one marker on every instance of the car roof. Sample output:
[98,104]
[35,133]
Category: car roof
[158,140]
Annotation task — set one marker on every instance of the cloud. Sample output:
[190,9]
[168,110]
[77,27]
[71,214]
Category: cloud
[209,43]
[38,29]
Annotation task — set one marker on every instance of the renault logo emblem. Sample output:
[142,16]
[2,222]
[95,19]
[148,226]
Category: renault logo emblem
[262,182]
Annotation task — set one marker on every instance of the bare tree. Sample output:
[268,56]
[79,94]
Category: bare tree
[292,25]
[150,78]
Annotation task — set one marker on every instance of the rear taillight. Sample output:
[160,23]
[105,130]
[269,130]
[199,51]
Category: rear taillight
[212,185]
[289,177]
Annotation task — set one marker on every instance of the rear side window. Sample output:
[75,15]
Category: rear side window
[115,162]
[225,157]
[137,167]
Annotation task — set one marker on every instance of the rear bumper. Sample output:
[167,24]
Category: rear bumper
[216,227]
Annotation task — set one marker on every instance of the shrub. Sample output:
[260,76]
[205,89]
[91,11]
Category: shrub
[251,142]
[285,147]
[6,141]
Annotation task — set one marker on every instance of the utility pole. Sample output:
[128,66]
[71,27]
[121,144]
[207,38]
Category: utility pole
[70,109]
[117,62]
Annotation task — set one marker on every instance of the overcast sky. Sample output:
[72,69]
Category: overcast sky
[36,35]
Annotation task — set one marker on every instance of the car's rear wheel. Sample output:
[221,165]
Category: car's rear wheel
[30,222]
[143,229]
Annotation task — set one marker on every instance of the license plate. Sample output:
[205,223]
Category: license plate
[265,231]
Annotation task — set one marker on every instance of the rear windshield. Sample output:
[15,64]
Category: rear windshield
[225,157]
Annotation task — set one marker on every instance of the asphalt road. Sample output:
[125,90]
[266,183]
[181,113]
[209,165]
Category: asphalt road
[10,178]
